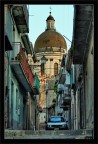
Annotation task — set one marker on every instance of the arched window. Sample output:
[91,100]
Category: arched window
[55,68]
[42,69]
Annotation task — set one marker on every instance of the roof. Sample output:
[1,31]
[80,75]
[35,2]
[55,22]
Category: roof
[50,18]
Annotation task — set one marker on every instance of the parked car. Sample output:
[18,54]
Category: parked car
[56,122]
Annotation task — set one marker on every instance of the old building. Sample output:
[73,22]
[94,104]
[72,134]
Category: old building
[81,68]
[83,59]
[19,79]
[79,64]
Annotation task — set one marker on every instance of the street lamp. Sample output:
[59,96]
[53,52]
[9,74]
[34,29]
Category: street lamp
[43,60]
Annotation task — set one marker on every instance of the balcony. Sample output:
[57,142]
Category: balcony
[19,64]
[21,16]
[63,61]
[61,88]
[67,99]
[27,43]
[82,31]
[65,107]
[62,76]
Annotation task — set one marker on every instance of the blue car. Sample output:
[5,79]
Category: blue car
[56,122]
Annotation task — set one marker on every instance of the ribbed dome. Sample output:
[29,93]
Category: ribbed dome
[48,41]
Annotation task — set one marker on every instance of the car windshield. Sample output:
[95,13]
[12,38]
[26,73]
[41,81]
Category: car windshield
[56,119]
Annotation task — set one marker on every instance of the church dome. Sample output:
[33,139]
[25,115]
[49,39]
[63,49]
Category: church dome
[50,40]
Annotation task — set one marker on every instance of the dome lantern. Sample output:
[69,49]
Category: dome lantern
[50,22]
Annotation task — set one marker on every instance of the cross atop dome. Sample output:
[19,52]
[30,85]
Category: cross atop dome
[50,10]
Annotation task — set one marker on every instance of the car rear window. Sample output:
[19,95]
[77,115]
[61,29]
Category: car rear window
[56,119]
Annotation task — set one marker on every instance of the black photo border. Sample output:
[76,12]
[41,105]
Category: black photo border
[50,2]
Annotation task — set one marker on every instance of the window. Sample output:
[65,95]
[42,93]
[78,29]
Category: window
[51,59]
[52,24]
[55,69]
[56,119]
[42,69]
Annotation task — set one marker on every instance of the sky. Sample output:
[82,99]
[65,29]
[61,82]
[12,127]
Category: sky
[63,15]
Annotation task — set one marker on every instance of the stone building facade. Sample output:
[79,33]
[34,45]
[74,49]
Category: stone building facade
[19,79]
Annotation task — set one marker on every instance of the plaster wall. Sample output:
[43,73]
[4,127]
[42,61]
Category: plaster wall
[42,117]
[89,85]
[32,114]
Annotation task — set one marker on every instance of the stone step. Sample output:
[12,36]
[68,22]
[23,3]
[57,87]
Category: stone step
[11,133]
